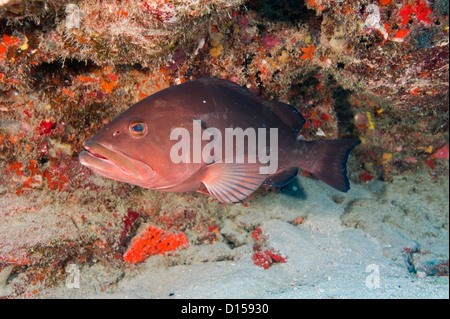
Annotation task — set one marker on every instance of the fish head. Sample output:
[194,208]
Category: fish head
[135,148]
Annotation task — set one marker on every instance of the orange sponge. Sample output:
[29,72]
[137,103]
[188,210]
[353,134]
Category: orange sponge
[154,241]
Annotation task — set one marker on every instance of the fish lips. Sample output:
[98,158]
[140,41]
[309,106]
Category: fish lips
[111,163]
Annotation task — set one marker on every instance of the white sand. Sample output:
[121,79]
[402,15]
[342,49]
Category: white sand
[353,249]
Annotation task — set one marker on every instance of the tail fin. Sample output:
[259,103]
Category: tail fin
[327,160]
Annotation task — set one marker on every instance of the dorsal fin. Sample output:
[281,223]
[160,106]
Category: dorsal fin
[287,113]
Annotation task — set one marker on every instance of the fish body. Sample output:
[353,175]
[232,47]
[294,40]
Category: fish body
[139,145]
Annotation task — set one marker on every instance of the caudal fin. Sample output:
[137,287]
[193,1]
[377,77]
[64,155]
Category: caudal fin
[327,160]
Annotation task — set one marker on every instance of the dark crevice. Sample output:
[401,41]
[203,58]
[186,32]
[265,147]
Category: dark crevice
[344,112]
[59,72]
[292,11]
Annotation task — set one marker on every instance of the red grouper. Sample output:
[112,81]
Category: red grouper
[212,136]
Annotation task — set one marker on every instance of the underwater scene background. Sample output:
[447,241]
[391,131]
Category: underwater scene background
[375,70]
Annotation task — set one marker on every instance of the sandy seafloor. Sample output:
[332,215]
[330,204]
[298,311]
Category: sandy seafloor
[334,253]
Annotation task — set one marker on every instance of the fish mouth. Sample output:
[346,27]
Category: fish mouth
[114,164]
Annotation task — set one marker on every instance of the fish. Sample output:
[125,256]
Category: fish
[155,144]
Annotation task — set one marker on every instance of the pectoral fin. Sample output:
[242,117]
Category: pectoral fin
[233,182]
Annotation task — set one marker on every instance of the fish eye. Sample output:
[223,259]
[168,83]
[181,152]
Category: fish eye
[138,129]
